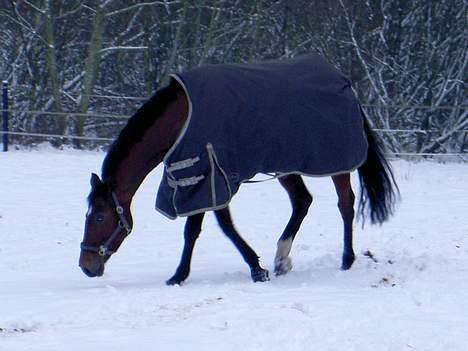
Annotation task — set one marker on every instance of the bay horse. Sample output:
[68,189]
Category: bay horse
[154,132]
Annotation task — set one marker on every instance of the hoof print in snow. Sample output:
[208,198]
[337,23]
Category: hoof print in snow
[370,256]
[386,282]
[15,330]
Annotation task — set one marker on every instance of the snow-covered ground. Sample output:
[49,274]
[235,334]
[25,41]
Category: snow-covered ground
[413,296]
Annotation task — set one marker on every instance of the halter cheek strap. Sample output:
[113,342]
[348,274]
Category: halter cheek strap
[103,250]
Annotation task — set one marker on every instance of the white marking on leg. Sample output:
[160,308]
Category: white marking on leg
[283,249]
[283,263]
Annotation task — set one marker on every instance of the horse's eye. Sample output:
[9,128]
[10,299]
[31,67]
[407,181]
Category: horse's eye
[99,218]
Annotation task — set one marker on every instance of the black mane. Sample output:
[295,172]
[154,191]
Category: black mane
[136,128]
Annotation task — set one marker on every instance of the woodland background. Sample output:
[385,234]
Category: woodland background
[78,69]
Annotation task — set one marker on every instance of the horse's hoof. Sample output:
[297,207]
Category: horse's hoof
[283,265]
[176,279]
[348,261]
[260,275]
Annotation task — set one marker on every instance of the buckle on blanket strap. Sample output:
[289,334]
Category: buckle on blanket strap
[179,165]
[184,181]
[176,166]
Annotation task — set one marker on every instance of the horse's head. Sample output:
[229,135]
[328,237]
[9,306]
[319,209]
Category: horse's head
[107,224]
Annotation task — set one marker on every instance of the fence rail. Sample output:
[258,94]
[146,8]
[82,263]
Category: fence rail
[67,114]
[58,136]
[6,132]
[416,131]
[463,156]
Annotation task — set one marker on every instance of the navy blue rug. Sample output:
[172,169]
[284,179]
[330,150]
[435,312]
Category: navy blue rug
[291,116]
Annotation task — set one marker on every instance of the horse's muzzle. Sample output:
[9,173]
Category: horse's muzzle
[91,265]
[96,273]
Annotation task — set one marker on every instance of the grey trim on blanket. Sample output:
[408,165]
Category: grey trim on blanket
[187,122]
[279,175]
[213,163]
[312,102]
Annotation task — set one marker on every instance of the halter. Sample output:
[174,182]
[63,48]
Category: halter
[103,250]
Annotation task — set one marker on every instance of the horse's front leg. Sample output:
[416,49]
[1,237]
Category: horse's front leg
[191,232]
[257,273]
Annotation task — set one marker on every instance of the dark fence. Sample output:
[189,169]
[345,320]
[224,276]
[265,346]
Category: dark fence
[102,128]
[5,116]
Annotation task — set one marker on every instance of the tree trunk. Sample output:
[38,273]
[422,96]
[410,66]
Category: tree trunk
[51,62]
[176,43]
[91,69]
[215,14]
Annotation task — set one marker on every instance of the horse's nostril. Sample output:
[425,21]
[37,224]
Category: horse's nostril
[100,271]
[97,272]
[87,272]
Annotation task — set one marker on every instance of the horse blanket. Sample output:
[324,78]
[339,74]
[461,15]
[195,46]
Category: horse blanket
[293,116]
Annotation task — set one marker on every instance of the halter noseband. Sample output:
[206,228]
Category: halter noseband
[103,250]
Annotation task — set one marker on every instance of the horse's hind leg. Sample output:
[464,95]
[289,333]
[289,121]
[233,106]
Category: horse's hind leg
[300,201]
[250,257]
[346,205]
[191,232]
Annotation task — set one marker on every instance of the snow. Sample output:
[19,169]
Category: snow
[413,294]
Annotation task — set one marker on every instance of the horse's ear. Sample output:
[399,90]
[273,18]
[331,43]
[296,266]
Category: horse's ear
[95,181]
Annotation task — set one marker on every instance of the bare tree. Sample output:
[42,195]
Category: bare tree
[407,59]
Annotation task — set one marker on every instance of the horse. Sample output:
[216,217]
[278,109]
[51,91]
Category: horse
[306,89]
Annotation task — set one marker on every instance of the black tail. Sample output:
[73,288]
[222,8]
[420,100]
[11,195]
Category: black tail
[379,190]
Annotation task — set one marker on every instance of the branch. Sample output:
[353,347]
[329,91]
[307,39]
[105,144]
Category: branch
[113,48]
[462,123]
[130,8]
[35,7]
[358,50]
